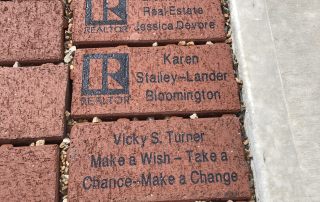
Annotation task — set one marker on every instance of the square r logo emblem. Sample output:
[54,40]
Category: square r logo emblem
[114,14]
[119,77]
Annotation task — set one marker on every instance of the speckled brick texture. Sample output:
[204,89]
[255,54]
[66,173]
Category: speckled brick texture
[163,160]
[165,80]
[145,21]
[33,103]
[29,173]
[31,31]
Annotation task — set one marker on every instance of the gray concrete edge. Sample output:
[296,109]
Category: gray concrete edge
[275,165]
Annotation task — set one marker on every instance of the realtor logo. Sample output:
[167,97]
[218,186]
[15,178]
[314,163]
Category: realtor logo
[114,12]
[114,75]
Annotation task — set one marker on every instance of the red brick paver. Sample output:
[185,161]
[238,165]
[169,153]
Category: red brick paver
[163,160]
[130,21]
[29,173]
[31,31]
[33,103]
[123,81]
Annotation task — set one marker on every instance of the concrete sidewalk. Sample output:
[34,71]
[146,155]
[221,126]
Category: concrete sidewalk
[277,44]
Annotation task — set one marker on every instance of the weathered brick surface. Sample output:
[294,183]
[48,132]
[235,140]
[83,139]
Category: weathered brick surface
[132,21]
[31,31]
[186,160]
[165,80]
[29,173]
[33,103]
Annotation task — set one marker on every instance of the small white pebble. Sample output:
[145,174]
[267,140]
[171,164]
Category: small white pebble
[191,43]
[73,49]
[32,144]
[66,140]
[194,116]
[67,58]
[67,113]
[65,177]
[40,142]
[182,43]
[229,40]
[96,120]
[16,64]
[155,44]
[62,145]
[209,43]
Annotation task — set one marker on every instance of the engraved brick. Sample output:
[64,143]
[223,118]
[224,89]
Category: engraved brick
[33,103]
[31,31]
[163,160]
[130,21]
[29,173]
[163,80]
